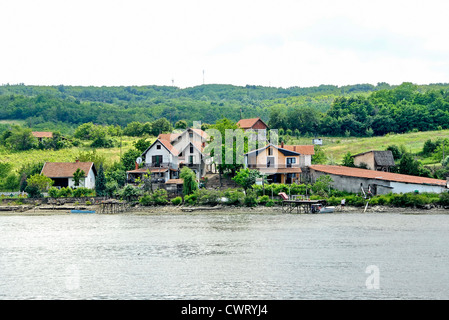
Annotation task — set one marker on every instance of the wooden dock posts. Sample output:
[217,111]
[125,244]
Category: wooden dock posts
[299,206]
[112,206]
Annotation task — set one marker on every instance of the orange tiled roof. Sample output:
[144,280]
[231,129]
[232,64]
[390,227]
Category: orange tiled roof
[308,149]
[377,175]
[42,134]
[65,169]
[201,133]
[248,123]
[169,146]
[168,136]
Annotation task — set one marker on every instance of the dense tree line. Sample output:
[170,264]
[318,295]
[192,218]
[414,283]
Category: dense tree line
[402,109]
[359,110]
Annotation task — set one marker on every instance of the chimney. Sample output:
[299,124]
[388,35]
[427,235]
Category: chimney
[77,160]
[294,148]
[282,144]
[137,165]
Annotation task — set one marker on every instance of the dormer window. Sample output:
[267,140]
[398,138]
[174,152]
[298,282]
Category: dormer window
[158,147]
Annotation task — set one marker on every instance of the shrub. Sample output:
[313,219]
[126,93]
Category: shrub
[234,196]
[263,199]
[250,198]
[208,197]
[176,201]
[269,203]
[65,192]
[158,197]
[53,192]
[444,199]
[83,192]
[190,199]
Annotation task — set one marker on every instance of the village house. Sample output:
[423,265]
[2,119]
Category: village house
[280,163]
[357,180]
[62,173]
[166,156]
[375,160]
[254,123]
[41,135]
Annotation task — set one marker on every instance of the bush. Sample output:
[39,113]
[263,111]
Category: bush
[269,203]
[190,199]
[53,192]
[158,197]
[263,199]
[176,201]
[65,192]
[444,199]
[250,198]
[208,197]
[83,192]
[234,196]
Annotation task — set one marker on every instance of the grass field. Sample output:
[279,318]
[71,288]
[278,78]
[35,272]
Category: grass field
[334,147]
[18,159]
[337,147]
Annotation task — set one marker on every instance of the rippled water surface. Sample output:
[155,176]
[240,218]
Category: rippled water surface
[235,256]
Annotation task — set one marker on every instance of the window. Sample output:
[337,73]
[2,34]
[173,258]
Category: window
[270,151]
[191,149]
[290,162]
[158,146]
[191,135]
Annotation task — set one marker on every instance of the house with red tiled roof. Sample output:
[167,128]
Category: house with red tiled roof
[378,182]
[253,123]
[165,157]
[62,173]
[280,163]
[40,135]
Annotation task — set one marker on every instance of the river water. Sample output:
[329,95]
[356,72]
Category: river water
[225,256]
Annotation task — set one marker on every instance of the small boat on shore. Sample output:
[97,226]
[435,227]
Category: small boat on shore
[322,209]
[82,211]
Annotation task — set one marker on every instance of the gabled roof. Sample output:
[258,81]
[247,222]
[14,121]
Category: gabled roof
[249,123]
[307,149]
[168,136]
[200,132]
[382,158]
[66,169]
[289,150]
[166,144]
[196,144]
[42,134]
[376,175]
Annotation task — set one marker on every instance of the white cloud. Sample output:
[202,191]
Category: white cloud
[282,43]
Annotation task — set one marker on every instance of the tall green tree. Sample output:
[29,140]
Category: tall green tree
[190,184]
[100,182]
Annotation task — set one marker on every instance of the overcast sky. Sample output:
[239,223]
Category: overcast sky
[278,43]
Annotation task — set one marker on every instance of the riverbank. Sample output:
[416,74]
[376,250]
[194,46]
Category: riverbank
[184,210]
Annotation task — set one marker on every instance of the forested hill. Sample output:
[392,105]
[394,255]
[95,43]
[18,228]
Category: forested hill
[73,105]
[62,107]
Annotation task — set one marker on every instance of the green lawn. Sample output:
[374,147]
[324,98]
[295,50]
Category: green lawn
[337,147]
[18,159]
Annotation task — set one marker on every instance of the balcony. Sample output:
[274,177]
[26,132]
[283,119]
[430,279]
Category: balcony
[272,165]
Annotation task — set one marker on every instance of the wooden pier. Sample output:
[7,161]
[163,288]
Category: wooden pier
[300,206]
[112,206]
